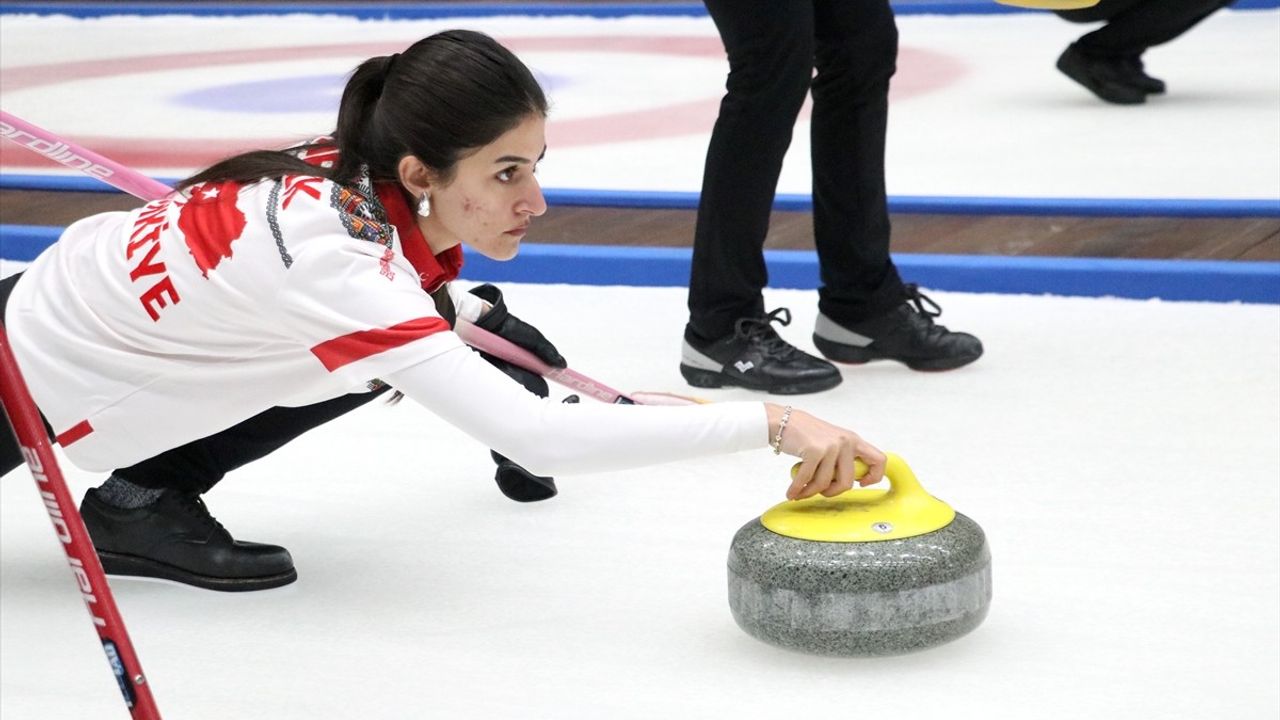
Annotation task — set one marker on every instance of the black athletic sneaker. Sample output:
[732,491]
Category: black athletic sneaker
[175,538]
[754,357]
[906,334]
[1106,77]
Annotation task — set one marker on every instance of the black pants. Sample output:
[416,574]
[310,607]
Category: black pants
[773,48]
[1133,26]
[10,455]
[199,465]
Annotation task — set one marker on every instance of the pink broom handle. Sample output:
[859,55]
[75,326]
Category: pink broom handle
[43,142]
[504,349]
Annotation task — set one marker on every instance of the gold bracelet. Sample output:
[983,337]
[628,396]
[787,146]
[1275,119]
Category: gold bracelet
[782,425]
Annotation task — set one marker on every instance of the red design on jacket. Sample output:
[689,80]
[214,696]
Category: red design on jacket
[210,222]
[294,184]
[143,252]
[359,345]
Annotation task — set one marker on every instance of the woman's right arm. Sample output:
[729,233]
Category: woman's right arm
[552,438]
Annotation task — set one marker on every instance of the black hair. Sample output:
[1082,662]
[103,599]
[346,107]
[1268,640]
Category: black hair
[443,96]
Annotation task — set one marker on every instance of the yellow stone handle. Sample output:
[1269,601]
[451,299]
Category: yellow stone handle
[863,514]
[902,482]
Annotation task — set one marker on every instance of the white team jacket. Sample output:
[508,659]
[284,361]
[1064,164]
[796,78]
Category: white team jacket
[138,332]
[147,329]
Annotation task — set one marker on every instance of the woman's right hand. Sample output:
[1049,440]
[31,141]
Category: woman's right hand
[826,454]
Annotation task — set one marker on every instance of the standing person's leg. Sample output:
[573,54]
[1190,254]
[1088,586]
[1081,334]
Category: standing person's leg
[863,310]
[857,54]
[770,49]
[728,339]
[149,519]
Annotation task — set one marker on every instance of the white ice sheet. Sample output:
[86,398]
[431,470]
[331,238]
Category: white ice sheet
[1122,457]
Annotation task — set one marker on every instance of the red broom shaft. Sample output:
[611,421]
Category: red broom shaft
[69,527]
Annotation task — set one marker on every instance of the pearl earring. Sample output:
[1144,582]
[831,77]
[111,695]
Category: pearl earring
[424,205]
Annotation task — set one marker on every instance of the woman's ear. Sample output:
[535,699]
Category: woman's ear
[415,176]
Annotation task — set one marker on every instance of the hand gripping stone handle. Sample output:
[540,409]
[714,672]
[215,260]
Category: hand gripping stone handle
[901,480]
[906,509]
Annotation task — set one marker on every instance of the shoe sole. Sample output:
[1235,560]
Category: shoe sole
[851,355]
[700,378]
[133,566]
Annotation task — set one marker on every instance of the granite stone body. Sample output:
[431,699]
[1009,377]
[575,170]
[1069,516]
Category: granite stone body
[860,598]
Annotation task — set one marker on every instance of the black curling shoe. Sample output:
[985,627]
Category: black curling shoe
[906,334]
[754,357]
[175,538]
[1107,77]
[1135,73]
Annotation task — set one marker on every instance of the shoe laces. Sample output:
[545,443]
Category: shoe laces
[194,505]
[924,316]
[918,300]
[758,331]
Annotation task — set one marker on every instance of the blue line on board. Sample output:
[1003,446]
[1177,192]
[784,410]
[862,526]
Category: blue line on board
[408,10]
[1204,280]
[941,205]
[24,242]
[951,205]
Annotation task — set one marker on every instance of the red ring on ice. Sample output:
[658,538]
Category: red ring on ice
[927,71]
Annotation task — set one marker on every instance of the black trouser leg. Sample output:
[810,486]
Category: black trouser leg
[857,50]
[770,48]
[199,465]
[10,455]
[1132,26]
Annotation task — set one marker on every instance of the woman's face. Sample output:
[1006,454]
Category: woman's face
[492,197]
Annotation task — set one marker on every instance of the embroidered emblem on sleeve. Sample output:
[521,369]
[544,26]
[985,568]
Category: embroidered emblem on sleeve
[362,216]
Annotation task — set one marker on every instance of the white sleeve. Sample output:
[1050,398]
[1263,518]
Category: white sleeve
[467,306]
[553,438]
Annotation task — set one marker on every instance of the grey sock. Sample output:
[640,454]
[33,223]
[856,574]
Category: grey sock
[123,494]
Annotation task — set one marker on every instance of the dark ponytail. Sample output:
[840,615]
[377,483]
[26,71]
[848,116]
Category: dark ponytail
[355,135]
[445,95]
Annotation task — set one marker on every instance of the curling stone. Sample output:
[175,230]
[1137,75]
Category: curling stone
[868,572]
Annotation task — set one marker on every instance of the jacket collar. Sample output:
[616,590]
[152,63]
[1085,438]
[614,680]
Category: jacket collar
[433,270]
